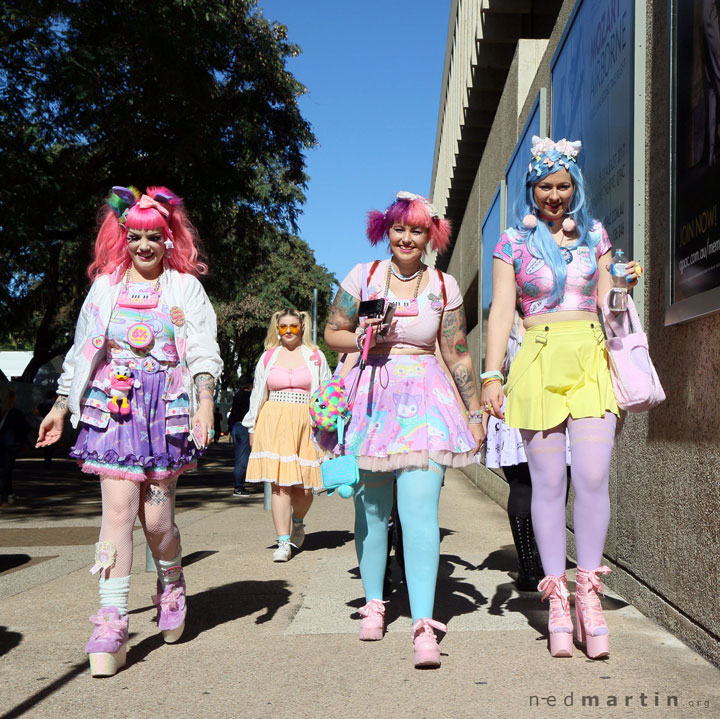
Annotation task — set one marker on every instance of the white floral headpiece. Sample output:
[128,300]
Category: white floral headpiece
[568,149]
[410,196]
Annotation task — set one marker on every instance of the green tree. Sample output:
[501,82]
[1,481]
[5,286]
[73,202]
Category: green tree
[192,94]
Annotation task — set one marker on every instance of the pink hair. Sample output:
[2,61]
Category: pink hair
[111,243]
[409,212]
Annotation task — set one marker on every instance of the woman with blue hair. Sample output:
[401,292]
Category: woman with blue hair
[558,258]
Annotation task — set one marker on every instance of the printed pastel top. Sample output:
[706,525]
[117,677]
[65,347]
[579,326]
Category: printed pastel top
[534,278]
[297,379]
[162,347]
[421,330]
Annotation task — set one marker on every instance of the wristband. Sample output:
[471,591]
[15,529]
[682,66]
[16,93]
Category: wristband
[492,373]
[490,380]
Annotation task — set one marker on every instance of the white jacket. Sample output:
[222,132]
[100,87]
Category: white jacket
[319,372]
[195,339]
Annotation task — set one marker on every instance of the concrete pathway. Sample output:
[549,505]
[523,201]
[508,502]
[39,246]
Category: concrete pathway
[280,640]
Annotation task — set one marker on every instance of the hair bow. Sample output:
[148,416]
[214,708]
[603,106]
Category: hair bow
[410,196]
[146,202]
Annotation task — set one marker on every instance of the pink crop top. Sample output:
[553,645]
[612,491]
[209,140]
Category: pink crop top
[283,379]
[420,331]
[535,281]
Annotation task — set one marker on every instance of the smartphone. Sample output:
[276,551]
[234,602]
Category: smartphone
[196,437]
[372,308]
[387,318]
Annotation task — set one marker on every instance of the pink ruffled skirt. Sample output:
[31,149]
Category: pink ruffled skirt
[405,412]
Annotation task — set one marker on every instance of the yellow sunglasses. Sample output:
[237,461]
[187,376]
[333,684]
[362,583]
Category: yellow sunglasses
[295,329]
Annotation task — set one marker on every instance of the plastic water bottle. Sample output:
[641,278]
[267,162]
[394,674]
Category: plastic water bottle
[618,294]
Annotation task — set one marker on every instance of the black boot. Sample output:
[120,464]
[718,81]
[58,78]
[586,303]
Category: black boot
[530,570]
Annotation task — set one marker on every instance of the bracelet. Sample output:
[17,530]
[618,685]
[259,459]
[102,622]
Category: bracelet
[475,421]
[491,380]
[359,340]
[474,414]
[492,373]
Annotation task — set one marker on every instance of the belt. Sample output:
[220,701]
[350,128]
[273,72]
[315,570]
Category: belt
[289,397]
[146,364]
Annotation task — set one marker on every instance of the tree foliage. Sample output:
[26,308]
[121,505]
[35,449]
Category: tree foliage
[192,94]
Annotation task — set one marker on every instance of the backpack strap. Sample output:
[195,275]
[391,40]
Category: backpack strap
[366,277]
[316,357]
[268,356]
[441,277]
[374,266]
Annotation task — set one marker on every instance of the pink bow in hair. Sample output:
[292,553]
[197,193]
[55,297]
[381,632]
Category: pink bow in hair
[147,202]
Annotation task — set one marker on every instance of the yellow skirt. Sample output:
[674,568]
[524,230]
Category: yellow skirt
[282,450]
[560,371]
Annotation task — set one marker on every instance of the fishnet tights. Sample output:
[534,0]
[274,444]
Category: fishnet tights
[123,501]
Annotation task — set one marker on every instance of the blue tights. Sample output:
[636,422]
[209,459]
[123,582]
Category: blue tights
[418,494]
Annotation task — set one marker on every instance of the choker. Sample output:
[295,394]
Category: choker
[405,278]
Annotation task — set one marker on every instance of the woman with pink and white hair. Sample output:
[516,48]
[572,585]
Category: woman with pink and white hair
[406,419]
[139,379]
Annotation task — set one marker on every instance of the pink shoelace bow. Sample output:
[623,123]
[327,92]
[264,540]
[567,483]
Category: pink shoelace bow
[427,625]
[374,606]
[171,599]
[554,588]
[591,607]
[108,628]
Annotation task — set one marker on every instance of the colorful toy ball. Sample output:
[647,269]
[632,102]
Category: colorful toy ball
[328,404]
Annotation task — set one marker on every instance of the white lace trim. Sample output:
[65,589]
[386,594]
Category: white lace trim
[285,459]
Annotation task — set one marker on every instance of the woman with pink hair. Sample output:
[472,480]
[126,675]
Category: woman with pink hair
[140,380]
[406,419]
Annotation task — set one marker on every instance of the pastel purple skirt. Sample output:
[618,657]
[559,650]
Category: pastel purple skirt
[405,413]
[149,443]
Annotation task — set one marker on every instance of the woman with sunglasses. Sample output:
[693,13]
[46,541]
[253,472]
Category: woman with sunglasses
[289,371]
[139,379]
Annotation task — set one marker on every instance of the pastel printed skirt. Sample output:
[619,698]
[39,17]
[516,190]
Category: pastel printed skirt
[283,451]
[405,413]
[151,442]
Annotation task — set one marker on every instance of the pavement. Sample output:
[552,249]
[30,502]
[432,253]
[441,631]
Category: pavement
[280,640]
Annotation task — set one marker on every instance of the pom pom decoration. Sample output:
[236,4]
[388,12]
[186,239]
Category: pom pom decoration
[530,221]
[568,224]
[329,404]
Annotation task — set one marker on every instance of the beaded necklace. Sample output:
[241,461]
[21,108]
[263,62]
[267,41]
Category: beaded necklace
[405,307]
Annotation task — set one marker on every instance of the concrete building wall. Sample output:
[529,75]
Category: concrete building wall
[664,538]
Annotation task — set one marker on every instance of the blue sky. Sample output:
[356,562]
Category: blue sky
[373,71]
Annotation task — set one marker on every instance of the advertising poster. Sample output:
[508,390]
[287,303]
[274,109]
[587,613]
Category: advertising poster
[592,101]
[491,231]
[518,165]
[695,243]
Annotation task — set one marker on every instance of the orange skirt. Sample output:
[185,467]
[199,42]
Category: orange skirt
[282,451]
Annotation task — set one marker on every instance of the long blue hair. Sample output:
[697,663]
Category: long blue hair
[539,241]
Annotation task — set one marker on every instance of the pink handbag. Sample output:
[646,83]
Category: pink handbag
[635,381]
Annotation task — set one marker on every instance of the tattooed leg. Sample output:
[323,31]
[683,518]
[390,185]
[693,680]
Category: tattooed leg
[156,516]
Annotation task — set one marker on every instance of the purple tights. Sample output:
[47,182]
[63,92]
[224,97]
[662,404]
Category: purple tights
[591,444]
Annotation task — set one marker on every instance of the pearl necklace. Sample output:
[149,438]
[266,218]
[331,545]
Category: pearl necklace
[406,278]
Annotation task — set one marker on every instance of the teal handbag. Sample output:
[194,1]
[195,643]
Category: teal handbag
[341,473]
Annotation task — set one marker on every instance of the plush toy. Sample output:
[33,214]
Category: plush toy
[118,386]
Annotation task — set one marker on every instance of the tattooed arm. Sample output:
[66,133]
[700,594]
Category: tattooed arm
[342,322]
[455,353]
[205,389]
[51,427]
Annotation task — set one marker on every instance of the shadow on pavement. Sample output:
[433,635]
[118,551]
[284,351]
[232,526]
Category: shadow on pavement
[8,640]
[206,611]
